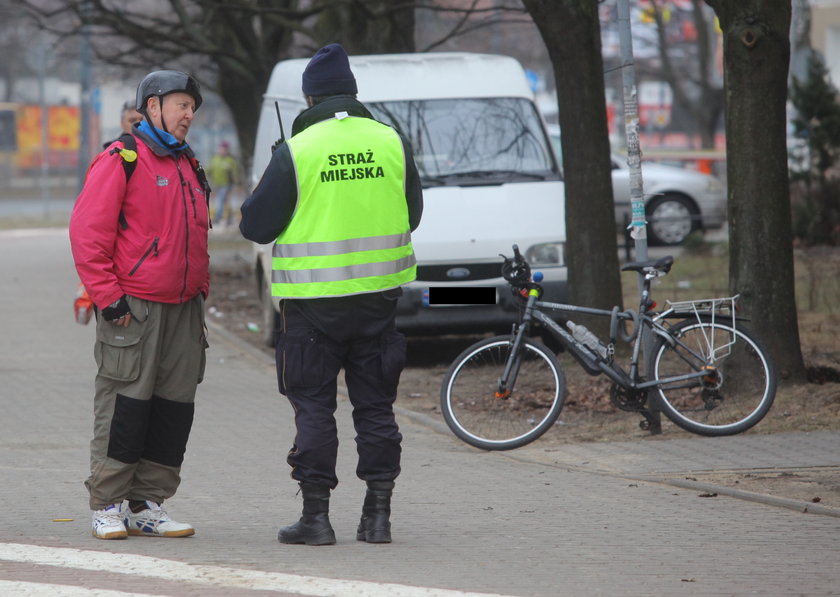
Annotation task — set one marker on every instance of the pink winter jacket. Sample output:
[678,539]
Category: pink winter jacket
[157,250]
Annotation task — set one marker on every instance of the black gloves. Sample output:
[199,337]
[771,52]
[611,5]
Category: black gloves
[116,309]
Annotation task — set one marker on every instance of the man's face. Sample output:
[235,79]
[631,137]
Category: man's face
[130,117]
[177,112]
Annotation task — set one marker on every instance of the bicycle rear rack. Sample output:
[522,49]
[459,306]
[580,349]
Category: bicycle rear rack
[721,310]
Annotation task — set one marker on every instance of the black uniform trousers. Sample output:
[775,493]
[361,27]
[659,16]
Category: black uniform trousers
[309,361]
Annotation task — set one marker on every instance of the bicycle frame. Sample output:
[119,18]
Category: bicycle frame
[534,310]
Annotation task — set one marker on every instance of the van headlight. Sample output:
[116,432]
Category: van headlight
[545,254]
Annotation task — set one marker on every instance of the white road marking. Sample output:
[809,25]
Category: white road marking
[37,589]
[146,566]
[32,232]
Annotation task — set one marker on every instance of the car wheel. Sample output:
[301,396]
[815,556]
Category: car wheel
[671,218]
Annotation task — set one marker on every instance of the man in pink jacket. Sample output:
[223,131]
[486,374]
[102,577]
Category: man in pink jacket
[139,238]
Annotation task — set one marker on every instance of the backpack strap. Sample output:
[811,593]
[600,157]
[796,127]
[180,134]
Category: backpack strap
[202,180]
[128,153]
[202,176]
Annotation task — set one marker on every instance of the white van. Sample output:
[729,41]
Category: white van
[490,179]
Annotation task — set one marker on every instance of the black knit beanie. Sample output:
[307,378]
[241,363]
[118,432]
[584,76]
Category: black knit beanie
[328,73]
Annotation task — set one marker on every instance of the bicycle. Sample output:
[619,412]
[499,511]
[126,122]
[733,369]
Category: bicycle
[708,373]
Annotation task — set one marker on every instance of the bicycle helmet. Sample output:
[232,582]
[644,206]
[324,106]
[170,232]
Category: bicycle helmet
[162,82]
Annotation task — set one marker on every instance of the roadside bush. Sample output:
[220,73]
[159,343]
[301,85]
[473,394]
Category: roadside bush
[815,186]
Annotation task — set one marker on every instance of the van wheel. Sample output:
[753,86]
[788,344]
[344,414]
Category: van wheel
[671,218]
[270,318]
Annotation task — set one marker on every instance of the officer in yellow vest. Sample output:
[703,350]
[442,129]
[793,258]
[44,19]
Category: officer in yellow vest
[339,200]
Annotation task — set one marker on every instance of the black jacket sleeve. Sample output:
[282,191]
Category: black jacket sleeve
[269,209]
[413,187]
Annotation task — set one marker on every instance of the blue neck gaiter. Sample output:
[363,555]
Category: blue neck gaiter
[170,142]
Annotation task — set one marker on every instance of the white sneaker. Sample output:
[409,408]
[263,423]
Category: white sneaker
[153,521]
[109,522]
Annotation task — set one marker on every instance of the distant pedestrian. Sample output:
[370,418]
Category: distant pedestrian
[342,250]
[223,171]
[129,116]
[139,242]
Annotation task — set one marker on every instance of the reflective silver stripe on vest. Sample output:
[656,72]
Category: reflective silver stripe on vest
[336,274]
[341,247]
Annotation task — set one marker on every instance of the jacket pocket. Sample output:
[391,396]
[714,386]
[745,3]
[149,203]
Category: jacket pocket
[392,358]
[117,351]
[153,249]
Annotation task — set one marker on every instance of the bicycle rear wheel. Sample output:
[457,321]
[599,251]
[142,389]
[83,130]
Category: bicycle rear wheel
[738,385]
[474,413]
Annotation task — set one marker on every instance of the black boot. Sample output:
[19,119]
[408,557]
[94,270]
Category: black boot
[375,525]
[314,526]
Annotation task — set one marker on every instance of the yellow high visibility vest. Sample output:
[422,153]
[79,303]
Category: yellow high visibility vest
[350,232]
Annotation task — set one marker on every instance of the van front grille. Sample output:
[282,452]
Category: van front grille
[458,272]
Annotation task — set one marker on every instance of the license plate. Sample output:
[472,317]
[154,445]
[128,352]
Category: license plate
[453,296]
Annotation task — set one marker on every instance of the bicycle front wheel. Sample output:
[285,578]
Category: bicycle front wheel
[474,413]
[737,385]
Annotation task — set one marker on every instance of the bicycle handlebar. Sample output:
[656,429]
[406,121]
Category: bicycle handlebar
[515,269]
[517,272]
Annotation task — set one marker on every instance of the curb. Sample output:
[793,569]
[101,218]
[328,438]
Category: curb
[770,500]
[238,343]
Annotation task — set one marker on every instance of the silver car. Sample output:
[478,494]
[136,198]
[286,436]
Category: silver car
[678,201]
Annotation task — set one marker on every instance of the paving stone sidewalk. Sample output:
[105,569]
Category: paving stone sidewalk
[581,520]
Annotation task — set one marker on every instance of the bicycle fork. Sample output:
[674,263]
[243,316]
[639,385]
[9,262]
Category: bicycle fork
[511,370]
[508,378]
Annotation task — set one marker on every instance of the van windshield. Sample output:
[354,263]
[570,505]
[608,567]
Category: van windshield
[472,141]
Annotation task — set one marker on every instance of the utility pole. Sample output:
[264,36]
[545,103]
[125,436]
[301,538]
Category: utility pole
[638,229]
[84,103]
[40,57]
[638,225]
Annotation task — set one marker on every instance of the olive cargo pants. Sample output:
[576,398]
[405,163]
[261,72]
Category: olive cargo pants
[144,400]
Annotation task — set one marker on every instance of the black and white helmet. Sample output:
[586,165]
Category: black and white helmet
[162,82]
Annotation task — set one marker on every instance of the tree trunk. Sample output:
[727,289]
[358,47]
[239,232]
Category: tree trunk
[756,57]
[571,31]
[243,98]
[370,27]
[243,74]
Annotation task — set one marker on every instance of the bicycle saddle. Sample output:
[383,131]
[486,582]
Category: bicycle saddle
[663,264]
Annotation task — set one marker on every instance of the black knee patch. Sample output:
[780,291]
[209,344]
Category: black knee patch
[168,431]
[128,429]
